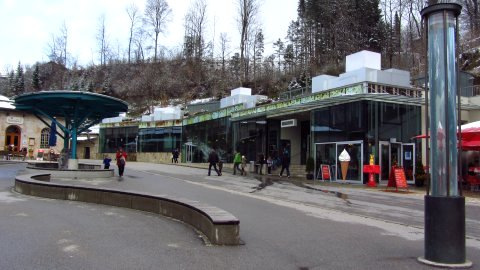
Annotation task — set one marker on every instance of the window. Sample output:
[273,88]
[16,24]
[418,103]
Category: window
[45,136]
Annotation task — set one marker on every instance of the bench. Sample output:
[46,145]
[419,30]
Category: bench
[219,226]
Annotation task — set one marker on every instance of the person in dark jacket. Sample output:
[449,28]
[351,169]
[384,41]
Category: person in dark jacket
[175,154]
[260,162]
[212,160]
[285,158]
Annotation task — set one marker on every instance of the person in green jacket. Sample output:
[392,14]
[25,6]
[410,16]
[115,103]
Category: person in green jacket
[237,159]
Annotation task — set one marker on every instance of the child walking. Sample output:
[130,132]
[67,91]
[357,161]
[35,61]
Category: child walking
[269,165]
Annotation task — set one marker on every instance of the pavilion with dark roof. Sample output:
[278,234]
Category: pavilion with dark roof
[80,110]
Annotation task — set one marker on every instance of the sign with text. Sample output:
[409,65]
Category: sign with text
[325,170]
[397,178]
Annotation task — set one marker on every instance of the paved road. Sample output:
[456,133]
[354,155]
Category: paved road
[284,225]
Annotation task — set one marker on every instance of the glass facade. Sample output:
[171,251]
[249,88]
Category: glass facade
[358,128]
[159,139]
[199,139]
[113,138]
[250,137]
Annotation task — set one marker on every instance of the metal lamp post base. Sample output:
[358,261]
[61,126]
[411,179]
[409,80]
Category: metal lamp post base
[445,232]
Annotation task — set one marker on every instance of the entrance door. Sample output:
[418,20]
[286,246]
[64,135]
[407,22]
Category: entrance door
[12,138]
[384,161]
[396,154]
[400,154]
[189,152]
[408,161]
[87,153]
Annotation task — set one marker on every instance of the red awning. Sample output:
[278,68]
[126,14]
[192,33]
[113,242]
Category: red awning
[470,136]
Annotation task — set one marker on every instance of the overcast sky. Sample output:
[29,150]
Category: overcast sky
[27,26]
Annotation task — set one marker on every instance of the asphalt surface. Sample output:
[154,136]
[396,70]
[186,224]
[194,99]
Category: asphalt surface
[284,224]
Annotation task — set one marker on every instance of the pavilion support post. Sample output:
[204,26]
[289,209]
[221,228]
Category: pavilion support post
[73,161]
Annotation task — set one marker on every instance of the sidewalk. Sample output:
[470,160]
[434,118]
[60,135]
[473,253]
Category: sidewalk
[228,169]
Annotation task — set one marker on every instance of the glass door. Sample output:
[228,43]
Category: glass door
[384,161]
[399,154]
[189,152]
[408,161]
[396,154]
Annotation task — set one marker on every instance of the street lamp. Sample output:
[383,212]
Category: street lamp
[444,207]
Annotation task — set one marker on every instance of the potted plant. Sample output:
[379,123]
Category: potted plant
[309,167]
[419,173]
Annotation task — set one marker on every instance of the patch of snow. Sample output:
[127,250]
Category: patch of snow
[6,103]
[204,100]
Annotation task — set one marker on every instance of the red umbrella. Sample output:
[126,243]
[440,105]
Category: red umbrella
[470,136]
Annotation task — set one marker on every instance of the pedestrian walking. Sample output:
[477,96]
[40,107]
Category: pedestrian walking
[269,165]
[175,154]
[244,165]
[261,161]
[121,157]
[236,162]
[212,160]
[106,162]
[285,159]
[220,166]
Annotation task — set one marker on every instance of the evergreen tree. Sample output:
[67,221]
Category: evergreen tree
[235,66]
[368,24]
[90,87]
[188,47]
[107,88]
[258,50]
[74,86]
[19,80]
[279,51]
[11,83]
[289,58]
[36,83]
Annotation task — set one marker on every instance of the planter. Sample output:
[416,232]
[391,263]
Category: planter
[420,180]
[309,176]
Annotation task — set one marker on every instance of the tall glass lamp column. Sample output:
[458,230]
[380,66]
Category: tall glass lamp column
[444,207]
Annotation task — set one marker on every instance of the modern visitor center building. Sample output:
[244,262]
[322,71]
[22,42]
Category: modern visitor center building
[365,111]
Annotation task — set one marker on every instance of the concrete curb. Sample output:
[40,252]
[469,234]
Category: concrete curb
[219,226]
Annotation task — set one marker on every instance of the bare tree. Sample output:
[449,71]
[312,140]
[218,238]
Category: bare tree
[57,49]
[139,53]
[132,11]
[157,13]
[472,18]
[195,22]
[247,14]
[102,40]
[223,48]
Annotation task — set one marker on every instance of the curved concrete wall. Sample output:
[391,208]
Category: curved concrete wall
[220,227]
[85,171]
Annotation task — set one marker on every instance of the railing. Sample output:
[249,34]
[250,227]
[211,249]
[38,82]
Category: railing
[470,91]
[394,90]
[295,93]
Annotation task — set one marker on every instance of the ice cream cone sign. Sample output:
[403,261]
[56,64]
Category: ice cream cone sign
[344,159]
